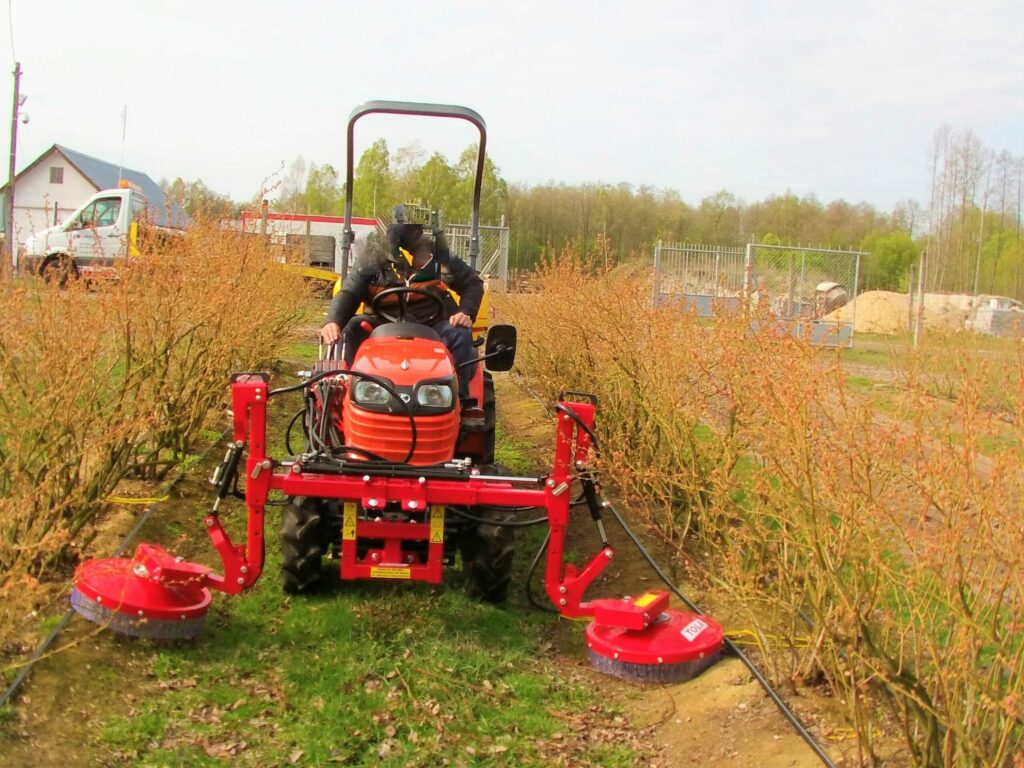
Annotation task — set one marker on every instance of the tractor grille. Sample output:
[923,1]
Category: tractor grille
[389,435]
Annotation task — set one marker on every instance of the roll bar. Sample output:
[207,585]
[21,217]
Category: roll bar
[423,110]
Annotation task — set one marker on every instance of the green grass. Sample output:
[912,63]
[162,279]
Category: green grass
[300,350]
[512,453]
[369,673]
[414,673]
[860,383]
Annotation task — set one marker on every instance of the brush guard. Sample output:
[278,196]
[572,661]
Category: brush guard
[158,595]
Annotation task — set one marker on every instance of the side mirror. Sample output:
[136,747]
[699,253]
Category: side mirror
[500,350]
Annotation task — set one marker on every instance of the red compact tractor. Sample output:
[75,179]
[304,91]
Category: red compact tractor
[393,483]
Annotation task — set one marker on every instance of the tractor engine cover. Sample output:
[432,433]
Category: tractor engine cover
[675,647]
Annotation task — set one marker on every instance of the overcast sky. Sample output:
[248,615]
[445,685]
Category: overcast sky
[839,99]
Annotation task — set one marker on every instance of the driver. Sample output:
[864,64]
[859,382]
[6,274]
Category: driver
[418,260]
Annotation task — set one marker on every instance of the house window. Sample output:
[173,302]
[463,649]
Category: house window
[56,175]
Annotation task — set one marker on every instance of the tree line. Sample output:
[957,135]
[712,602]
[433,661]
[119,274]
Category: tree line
[971,225]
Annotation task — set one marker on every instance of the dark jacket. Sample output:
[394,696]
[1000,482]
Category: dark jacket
[374,271]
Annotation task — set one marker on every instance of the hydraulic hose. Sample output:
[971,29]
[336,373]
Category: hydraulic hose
[383,383]
[460,512]
[529,577]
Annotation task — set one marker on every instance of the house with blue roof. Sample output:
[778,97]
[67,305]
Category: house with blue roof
[56,183]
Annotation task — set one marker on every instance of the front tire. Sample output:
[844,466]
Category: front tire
[59,270]
[487,553]
[302,549]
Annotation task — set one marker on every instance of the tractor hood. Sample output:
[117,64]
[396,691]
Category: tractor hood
[403,361]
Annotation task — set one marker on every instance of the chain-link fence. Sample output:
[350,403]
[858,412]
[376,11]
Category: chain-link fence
[803,288]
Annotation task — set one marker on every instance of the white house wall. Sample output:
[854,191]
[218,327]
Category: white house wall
[34,196]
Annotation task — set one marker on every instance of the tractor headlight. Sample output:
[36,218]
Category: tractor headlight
[434,395]
[370,393]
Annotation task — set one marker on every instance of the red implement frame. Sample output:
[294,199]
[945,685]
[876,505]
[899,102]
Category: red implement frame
[243,564]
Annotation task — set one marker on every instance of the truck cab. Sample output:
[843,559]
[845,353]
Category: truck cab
[102,230]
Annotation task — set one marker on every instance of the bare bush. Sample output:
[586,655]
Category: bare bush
[876,551]
[97,382]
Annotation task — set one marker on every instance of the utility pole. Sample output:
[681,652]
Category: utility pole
[9,226]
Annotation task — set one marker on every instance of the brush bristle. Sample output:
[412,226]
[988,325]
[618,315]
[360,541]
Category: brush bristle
[651,673]
[126,624]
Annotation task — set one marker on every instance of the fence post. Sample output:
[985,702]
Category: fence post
[910,298]
[790,287]
[309,249]
[718,271]
[503,241]
[856,289]
[748,272]
[920,299]
[657,273]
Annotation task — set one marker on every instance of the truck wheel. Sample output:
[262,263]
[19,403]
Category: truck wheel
[58,270]
[301,545]
[487,552]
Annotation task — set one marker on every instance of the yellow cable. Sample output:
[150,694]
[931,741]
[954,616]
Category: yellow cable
[140,500]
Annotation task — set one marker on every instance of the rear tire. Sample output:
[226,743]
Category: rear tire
[487,554]
[490,420]
[302,549]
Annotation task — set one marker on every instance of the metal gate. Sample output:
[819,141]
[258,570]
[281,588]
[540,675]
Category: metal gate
[493,261]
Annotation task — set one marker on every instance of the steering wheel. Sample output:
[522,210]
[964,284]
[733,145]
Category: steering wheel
[401,293]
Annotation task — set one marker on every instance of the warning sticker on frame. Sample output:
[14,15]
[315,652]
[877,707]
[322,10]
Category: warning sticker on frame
[436,524]
[390,573]
[348,524]
[694,628]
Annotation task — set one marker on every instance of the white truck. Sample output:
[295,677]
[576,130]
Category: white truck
[107,227]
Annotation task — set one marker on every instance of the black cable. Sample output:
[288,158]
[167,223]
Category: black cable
[288,432]
[66,619]
[789,714]
[383,383]
[582,424]
[499,523]
[529,578]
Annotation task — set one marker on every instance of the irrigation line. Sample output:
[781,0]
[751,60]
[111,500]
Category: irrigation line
[125,542]
[734,649]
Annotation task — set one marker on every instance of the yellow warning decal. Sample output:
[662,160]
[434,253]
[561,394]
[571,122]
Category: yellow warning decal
[391,573]
[436,524]
[644,600]
[348,524]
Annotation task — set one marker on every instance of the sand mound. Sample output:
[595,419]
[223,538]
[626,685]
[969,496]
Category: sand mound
[887,311]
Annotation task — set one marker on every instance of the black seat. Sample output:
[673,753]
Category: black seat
[404,331]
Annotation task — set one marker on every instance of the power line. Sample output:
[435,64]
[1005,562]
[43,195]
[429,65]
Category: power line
[10,26]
